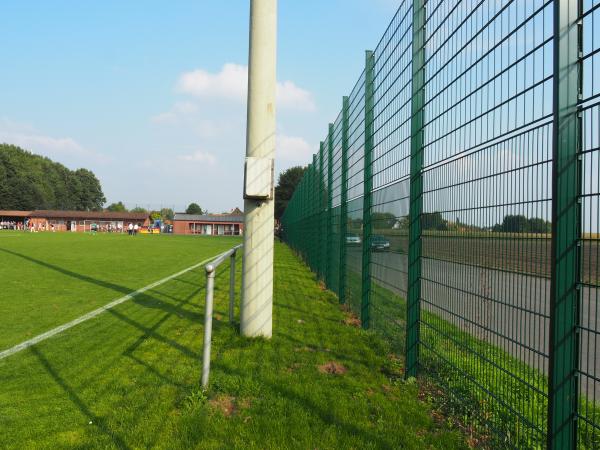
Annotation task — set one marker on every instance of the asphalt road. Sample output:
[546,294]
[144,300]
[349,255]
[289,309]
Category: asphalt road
[506,309]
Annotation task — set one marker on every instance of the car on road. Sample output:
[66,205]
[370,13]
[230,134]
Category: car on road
[379,243]
[353,239]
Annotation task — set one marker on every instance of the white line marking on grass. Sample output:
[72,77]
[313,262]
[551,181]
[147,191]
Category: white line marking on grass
[48,334]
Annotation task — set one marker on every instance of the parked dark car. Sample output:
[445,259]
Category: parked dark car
[379,243]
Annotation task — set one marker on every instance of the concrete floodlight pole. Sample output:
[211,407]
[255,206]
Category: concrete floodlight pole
[257,282]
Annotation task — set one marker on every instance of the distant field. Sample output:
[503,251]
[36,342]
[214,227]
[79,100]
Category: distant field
[49,279]
[516,252]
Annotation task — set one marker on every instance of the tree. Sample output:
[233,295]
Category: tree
[515,224]
[433,221]
[29,181]
[537,225]
[521,224]
[167,214]
[91,197]
[155,215]
[116,207]
[286,185]
[139,209]
[383,220]
[194,208]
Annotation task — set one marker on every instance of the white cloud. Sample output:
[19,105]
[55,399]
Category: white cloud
[59,148]
[199,156]
[179,110]
[231,83]
[293,97]
[293,149]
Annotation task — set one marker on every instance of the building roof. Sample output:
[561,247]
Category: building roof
[90,215]
[15,213]
[209,218]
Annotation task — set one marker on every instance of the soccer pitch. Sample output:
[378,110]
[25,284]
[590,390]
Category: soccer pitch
[49,279]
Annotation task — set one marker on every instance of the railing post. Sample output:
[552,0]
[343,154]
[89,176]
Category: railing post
[328,264]
[344,200]
[208,313]
[566,227]
[232,285]
[367,190]
[416,190]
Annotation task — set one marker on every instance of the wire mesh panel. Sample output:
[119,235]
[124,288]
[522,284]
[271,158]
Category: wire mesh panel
[486,210]
[391,171]
[589,319]
[353,241]
[335,140]
[479,175]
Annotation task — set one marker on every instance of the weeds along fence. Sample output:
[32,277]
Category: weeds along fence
[454,206]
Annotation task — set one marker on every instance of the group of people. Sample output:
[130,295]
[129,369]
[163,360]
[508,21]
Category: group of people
[132,229]
[11,225]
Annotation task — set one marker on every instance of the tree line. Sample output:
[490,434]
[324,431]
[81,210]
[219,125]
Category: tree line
[162,214]
[29,181]
[511,223]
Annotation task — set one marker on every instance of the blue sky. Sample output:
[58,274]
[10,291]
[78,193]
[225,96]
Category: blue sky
[150,94]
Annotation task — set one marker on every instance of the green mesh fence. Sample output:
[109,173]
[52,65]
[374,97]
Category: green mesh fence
[454,206]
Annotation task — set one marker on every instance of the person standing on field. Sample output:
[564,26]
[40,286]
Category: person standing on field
[135,229]
[130,229]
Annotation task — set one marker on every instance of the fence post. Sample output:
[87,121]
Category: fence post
[321,203]
[413,305]
[344,201]
[208,313]
[329,206]
[315,217]
[566,227]
[232,285]
[367,190]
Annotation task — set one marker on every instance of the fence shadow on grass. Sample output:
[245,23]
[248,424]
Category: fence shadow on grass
[307,404]
[69,273]
[97,421]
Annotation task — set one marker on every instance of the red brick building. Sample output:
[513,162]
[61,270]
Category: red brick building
[231,224]
[47,220]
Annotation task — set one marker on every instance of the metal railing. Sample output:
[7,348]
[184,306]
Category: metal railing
[454,206]
[211,269]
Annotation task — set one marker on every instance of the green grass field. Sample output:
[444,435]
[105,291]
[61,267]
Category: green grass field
[52,278]
[129,378]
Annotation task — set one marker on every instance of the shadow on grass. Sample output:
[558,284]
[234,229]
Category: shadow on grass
[145,300]
[69,273]
[99,422]
[104,284]
[306,403]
